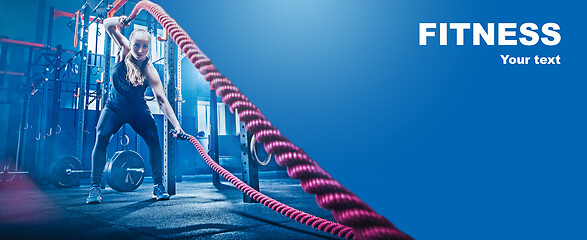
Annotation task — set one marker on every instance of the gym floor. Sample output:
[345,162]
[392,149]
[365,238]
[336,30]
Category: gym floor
[199,210]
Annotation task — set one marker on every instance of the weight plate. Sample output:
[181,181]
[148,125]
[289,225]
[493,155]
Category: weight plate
[118,175]
[61,178]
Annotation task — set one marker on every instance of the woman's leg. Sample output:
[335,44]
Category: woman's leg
[144,124]
[108,124]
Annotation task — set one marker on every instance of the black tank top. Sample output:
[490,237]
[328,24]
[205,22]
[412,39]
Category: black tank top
[123,95]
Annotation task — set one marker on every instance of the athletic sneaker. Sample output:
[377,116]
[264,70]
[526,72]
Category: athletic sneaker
[95,195]
[159,192]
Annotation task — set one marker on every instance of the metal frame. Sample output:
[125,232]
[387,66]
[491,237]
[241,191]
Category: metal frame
[107,59]
[41,142]
[44,121]
[250,167]
[181,56]
[56,104]
[170,143]
[213,142]
[105,86]
[81,101]
[22,130]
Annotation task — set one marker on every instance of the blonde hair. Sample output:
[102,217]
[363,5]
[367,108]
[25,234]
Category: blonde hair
[135,76]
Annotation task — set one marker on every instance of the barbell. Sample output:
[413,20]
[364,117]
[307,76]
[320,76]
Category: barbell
[124,171]
[7,176]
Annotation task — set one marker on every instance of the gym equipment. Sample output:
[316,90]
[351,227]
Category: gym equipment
[182,136]
[64,170]
[6,176]
[124,171]
[254,153]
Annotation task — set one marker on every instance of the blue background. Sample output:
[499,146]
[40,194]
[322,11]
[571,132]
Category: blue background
[444,141]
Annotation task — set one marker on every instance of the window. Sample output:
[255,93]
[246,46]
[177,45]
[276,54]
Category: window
[204,117]
[94,42]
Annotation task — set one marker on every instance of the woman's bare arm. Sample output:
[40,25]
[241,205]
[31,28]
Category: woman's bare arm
[120,40]
[157,86]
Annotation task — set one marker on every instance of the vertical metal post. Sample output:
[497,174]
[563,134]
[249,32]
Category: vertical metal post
[50,27]
[56,104]
[56,89]
[81,100]
[22,130]
[170,143]
[24,126]
[179,114]
[40,150]
[250,168]
[106,84]
[91,63]
[38,174]
[43,152]
[213,143]
[98,64]
[3,59]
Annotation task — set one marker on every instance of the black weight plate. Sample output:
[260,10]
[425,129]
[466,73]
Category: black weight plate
[117,175]
[108,165]
[60,178]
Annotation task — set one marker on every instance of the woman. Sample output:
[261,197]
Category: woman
[131,76]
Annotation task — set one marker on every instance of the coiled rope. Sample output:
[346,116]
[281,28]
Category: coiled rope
[346,207]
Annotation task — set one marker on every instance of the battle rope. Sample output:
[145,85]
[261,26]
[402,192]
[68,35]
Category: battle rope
[290,212]
[346,207]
